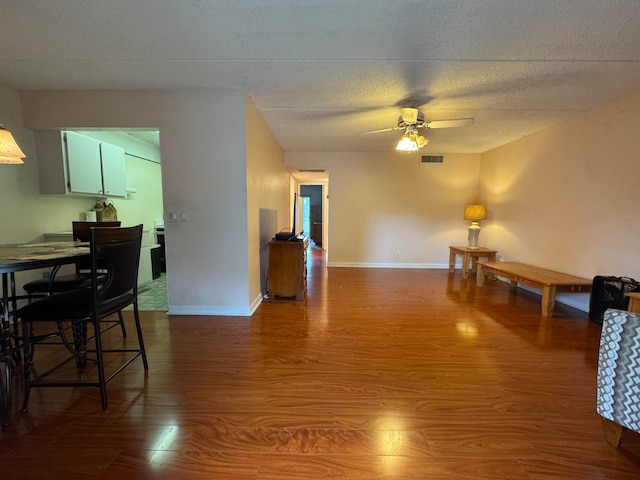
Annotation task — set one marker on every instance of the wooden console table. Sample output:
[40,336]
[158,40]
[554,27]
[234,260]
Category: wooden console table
[469,254]
[549,281]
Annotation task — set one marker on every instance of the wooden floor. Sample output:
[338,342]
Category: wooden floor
[380,373]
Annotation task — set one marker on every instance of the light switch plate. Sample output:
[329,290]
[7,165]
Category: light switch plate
[174,216]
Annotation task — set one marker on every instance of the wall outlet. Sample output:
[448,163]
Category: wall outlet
[397,253]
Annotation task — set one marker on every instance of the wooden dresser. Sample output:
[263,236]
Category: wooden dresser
[287,275]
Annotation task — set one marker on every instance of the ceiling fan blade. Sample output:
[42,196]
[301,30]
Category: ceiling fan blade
[383,130]
[460,122]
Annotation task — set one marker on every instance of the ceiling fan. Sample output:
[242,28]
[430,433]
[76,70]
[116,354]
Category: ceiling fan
[411,120]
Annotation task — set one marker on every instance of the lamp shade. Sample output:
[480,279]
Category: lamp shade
[475,212]
[9,150]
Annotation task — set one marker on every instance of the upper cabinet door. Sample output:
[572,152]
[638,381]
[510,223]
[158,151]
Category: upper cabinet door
[83,164]
[113,170]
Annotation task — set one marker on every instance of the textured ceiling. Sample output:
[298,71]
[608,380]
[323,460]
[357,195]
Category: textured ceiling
[324,72]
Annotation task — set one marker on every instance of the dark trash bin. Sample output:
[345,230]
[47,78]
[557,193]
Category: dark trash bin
[609,292]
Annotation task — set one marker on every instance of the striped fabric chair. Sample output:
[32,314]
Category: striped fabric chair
[618,393]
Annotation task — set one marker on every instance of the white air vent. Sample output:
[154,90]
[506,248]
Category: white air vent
[432,159]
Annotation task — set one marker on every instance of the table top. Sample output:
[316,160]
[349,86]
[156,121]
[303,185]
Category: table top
[464,248]
[27,256]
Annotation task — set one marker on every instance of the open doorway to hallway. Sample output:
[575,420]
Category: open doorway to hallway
[313,212]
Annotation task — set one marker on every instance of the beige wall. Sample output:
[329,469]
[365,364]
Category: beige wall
[203,150]
[381,204]
[566,197]
[267,196]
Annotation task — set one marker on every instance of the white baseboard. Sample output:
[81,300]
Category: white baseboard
[387,265]
[209,311]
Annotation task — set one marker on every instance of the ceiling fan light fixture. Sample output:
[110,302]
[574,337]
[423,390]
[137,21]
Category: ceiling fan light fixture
[406,144]
[411,141]
[412,120]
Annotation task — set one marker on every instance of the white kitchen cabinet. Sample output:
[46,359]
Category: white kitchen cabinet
[83,164]
[74,164]
[113,170]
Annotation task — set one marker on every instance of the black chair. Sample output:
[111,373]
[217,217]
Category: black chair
[118,251]
[63,283]
[81,278]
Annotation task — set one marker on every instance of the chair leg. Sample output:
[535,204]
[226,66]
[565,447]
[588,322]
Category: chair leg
[613,432]
[80,343]
[27,349]
[5,390]
[136,316]
[100,364]
[122,327]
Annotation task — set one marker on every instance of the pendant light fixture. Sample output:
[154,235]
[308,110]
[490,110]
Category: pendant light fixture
[10,152]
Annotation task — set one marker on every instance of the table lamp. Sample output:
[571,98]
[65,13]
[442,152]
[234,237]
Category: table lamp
[474,213]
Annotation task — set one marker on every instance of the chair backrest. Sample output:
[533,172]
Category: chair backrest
[82,230]
[82,233]
[117,249]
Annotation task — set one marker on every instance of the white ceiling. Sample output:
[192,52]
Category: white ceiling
[324,72]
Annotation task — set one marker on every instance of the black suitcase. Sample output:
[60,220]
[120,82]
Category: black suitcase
[609,292]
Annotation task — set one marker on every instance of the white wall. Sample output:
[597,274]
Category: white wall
[203,150]
[381,204]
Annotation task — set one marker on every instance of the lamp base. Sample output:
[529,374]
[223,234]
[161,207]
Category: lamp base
[474,232]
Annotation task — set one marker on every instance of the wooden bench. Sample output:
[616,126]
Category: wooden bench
[549,281]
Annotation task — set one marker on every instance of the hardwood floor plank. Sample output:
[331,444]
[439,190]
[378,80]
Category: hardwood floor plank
[378,373]
[387,467]
[177,465]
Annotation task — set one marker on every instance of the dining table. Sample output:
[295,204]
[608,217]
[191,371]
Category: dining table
[21,257]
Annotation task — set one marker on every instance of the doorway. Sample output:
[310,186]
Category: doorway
[313,194]
[143,204]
